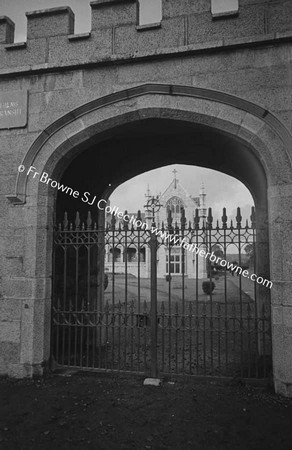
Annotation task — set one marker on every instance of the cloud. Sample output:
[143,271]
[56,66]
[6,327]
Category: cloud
[16,10]
[222,190]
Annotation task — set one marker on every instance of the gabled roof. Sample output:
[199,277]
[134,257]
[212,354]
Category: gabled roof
[175,189]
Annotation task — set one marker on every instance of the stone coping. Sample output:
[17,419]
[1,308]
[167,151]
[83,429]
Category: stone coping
[104,3]
[15,46]
[79,37]
[5,19]
[50,12]
[148,26]
[225,15]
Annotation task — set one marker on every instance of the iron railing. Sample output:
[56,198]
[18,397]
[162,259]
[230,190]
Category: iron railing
[153,324]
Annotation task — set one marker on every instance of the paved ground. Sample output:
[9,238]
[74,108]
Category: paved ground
[176,290]
[247,285]
[104,411]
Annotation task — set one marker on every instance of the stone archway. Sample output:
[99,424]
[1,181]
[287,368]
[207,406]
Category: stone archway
[261,160]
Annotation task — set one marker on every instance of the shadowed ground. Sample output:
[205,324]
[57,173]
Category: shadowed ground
[219,335]
[108,412]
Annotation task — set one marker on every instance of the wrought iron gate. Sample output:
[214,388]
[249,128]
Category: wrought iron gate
[157,324]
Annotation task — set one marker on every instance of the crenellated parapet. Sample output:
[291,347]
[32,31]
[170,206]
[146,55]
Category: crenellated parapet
[186,26]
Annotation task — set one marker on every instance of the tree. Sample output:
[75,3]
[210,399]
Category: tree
[249,250]
[213,268]
[217,250]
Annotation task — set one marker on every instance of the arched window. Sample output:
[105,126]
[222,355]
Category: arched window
[131,254]
[117,254]
[142,254]
[175,204]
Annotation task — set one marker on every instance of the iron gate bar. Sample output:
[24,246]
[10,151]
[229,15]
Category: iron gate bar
[126,289]
[224,226]
[209,242]
[183,222]
[253,224]
[196,232]
[153,310]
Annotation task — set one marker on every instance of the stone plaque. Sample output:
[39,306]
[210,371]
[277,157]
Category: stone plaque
[13,109]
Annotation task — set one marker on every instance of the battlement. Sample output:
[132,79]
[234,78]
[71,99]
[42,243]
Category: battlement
[50,22]
[116,34]
[112,13]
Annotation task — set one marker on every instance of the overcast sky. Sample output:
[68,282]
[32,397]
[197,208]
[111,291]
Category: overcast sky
[16,9]
[221,190]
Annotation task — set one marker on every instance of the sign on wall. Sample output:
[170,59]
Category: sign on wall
[13,109]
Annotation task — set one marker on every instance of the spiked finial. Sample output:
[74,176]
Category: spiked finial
[77,221]
[196,219]
[238,218]
[125,222]
[65,221]
[88,221]
[183,219]
[253,217]
[224,219]
[169,219]
[209,218]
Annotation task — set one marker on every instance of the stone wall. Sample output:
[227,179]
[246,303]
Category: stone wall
[248,55]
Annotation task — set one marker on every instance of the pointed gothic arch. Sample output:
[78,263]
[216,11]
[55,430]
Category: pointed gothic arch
[261,159]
